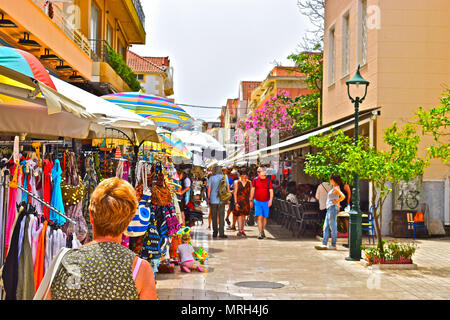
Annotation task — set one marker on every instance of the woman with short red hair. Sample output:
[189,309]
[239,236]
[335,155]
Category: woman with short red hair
[104,269]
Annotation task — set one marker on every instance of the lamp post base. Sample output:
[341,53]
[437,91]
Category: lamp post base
[352,259]
[355,236]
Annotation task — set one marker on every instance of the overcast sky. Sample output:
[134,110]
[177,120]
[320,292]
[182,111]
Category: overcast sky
[214,44]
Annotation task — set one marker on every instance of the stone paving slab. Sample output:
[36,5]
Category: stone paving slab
[305,272]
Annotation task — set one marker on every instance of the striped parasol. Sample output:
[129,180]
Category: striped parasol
[176,146]
[165,113]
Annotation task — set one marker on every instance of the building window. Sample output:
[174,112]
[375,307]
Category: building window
[345,43]
[109,35]
[140,77]
[94,27]
[331,55]
[362,54]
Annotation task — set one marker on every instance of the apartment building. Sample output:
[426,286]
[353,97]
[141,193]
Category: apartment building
[403,48]
[76,39]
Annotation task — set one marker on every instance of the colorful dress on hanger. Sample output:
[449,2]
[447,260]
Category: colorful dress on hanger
[10,273]
[48,166]
[57,201]
[25,178]
[15,169]
[40,258]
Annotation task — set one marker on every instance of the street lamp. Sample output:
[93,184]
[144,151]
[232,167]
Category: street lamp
[355,212]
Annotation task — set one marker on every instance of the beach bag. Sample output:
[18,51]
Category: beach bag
[161,195]
[224,194]
[139,224]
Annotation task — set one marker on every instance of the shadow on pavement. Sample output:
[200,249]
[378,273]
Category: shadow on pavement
[197,294]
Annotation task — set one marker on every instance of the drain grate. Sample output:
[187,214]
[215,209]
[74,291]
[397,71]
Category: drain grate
[260,284]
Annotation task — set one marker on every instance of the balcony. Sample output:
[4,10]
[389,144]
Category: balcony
[131,18]
[58,17]
[140,11]
[110,68]
[48,26]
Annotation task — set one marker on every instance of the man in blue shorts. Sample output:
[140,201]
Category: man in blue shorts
[261,197]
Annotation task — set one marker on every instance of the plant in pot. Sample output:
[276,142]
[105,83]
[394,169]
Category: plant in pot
[392,253]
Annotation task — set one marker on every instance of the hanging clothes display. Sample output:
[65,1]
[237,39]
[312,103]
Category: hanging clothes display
[73,196]
[4,177]
[10,273]
[33,175]
[57,201]
[90,182]
[26,286]
[40,258]
[48,166]
[12,204]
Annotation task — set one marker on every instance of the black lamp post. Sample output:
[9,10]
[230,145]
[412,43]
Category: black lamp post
[355,212]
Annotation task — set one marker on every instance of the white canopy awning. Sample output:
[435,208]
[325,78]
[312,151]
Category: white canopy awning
[19,117]
[199,139]
[282,146]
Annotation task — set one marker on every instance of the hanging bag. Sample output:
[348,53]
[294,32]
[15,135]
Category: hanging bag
[161,195]
[45,286]
[139,224]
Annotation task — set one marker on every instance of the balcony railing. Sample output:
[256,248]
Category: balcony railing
[57,16]
[140,11]
[100,50]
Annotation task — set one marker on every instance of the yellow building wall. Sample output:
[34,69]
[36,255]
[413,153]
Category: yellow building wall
[407,65]
[45,31]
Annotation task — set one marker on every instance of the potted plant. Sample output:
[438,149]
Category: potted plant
[393,253]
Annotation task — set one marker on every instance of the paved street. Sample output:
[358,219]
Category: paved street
[300,272]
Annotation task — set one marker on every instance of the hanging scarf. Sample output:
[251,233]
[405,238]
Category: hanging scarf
[48,165]
[32,167]
[57,201]
[12,204]
[26,173]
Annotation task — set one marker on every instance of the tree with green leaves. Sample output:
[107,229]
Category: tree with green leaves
[399,163]
[339,154]
[331,155]
[436,122]
[305,108]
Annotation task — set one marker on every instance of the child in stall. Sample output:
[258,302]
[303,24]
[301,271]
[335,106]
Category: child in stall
[185,252]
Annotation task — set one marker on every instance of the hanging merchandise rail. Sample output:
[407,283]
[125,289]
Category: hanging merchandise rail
[46,204]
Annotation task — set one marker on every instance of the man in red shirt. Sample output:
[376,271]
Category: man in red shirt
[261,197]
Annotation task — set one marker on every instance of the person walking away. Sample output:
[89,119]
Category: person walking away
[334,197]
[292,192]
[261,197]
[185,253]
[217,206]
[104,269]
[321,195]
[232,179]
[242,189]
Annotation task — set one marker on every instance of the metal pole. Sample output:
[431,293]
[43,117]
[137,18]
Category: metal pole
[355,218]
[46,204]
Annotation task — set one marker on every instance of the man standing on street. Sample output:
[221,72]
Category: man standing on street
[261,197]
[217,207]
[321,195]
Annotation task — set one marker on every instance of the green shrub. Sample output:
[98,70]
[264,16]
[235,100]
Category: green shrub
[116,61]
[393,252]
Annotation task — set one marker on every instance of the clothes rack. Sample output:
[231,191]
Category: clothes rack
[30,142]
[46,204]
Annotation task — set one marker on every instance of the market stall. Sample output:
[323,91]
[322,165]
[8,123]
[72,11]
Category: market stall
[45,185]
